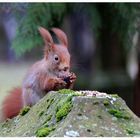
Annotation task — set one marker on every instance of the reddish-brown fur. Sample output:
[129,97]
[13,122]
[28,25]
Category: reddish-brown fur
[45,75]
[12,104]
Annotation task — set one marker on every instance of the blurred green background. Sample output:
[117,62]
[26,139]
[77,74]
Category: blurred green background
[103,41]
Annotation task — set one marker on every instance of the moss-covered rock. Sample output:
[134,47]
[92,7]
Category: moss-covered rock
[70,113]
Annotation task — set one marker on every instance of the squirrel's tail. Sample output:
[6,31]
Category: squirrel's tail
[12,104]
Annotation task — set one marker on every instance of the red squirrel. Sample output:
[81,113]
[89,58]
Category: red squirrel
[50,73]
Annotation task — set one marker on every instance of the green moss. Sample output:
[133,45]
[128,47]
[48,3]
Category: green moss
[41,113]
[48,106]
[63,110]
[24,110]
[51,101]
[6,124]
[130,131]
[66,91]
[46,124]
[106,102]
[69,91]
[96,102]
[101,135]
[99,116]
[118,114]
[48,100]
[42,132]
[115,95]
[49,118]
[79,114]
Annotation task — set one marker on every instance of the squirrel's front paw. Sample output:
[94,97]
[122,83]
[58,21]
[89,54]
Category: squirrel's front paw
[70,80]
[60,83]
[72,77]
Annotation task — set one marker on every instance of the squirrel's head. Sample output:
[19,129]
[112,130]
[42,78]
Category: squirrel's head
[56,55]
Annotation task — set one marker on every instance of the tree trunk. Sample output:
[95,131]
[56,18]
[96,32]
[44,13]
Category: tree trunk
[112,57]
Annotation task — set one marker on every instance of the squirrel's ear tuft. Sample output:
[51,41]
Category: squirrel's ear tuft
[46,36]
[61,36]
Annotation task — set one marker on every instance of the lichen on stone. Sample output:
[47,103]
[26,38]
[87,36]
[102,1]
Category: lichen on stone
[72,133]
[24,110]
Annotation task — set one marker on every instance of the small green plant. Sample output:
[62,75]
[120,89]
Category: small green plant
[24,110]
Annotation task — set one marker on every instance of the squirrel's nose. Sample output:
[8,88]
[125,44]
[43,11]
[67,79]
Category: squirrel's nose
[66,68]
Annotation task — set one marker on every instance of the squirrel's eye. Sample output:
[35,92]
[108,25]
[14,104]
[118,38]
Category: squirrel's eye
[56,58]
